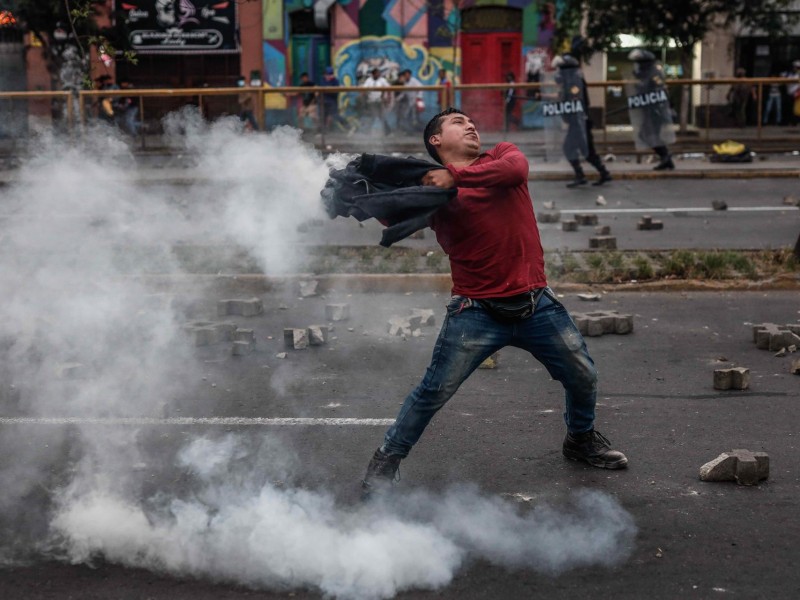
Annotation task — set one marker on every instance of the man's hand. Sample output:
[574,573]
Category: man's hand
[440,178]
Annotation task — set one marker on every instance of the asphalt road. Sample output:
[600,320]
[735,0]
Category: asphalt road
[756,217]
[501,432]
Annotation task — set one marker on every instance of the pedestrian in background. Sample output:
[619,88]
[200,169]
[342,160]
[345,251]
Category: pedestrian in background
[739,96]
[377,102]
[330,102]
[247,103]
[307,113]
[409,104]
[510,100]
[793,91]
[500,297]
[445,95]
[774,101]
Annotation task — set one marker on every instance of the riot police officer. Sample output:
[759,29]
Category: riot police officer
[649,109]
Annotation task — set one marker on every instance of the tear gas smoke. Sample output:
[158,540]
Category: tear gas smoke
[288,538]
[81,335]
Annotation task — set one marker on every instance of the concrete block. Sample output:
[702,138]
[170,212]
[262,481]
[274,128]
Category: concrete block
[793,327]
[742,466]
[308,288]
[581,322]
[586,219]
[491,362]
[549,217]
[569,225]
[243,308]
[399,326]
[605,242]
[595,327]
[225,330]
[603,230]
[737,378]
[427,316]
[205,336]
[318,335]
[647,223]
[242,348]
[623,324]
[337,312]
[244,335]
[795,368]
[606,318]
[719,205]
[297,339]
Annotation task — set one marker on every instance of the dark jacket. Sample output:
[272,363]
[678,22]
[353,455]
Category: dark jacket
[388,189]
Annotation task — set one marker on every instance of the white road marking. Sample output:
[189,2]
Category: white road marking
[687,209]
[136,421]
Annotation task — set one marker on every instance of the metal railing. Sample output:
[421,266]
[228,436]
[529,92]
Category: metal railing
[283,105]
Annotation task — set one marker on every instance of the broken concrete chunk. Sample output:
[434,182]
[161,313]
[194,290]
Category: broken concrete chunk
[318,335]
[297,339]
[549,217]
[600,322]
[795,368]
[589,297]
[242,348]
[605,242]
[308,288]
[243,308]
[603,230]
[742,466]
[244,335]
[337,312]
[205,336]
[647,223]
[225,330]
[586,219]
[719,205]
[623,324]
[427,316]
[399,326]
[569,225]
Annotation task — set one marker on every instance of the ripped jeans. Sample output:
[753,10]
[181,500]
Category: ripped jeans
[469,336]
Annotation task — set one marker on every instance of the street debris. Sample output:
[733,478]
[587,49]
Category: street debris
[601,322]
[308,288]
[791,200]
[549,217]
[605,242]
[491,362]
[243,308]
[337,312]
[719,205]
[586,219]
[603,230]
[569,225]
[589,297]
[742,466]
[735,378]
[647,223]
[772,337]
[600,201]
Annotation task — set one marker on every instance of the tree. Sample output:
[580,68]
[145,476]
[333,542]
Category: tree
[682,22]
[68,32]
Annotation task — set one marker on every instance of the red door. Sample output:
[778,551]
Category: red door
[487,58]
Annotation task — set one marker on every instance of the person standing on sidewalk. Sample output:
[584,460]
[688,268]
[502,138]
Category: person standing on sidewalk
[739,97]
[500,297]
[377,101]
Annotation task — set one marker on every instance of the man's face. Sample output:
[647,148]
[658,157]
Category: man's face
[376,74]
[458,135]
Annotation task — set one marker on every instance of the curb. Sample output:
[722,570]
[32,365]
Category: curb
[403,283]
[677,174]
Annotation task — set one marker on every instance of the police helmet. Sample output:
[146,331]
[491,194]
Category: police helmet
[568,62]
[639,55]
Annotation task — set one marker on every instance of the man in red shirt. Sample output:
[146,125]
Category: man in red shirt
[500,297]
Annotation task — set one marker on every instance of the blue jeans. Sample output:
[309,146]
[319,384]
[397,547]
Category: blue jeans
[469,335]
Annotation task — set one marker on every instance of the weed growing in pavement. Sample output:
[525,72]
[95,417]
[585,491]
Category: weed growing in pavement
[644,268]
[712,265]
[596,265]
[679,264]
[408,264]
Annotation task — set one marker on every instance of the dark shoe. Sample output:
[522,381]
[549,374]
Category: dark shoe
[604,178]
[381,474]
[593,448]
[577,182]
[665,164]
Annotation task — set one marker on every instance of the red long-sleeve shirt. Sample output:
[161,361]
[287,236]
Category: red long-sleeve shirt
[489,231]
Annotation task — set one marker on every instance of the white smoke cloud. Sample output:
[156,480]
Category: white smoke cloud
[276,538]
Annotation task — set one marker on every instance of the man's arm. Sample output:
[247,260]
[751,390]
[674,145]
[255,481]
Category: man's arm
[508,169]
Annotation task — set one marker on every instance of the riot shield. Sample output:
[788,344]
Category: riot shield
[648,107]
[564,115]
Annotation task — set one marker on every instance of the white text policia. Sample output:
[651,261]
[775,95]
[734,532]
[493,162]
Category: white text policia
[568,107]
[640,100]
